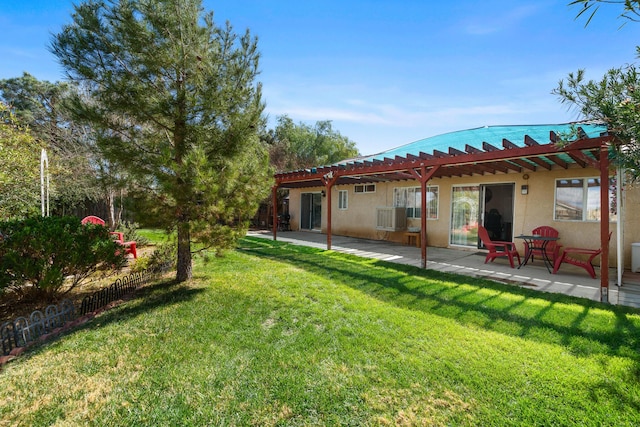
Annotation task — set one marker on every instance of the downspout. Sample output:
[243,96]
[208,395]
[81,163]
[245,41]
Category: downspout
[604,223]
[620,225]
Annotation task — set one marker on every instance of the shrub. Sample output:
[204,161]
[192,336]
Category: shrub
[130,230]
[164,255]
[45,254]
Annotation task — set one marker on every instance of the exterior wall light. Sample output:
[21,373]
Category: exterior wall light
[524,190]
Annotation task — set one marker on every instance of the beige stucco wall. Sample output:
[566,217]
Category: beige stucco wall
[531,210]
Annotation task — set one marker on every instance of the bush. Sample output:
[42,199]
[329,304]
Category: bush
[45,254]
[164,255]
[130,231]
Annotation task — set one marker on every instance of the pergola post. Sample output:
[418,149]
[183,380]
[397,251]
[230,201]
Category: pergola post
[274,198]
[423,176]
[604,223]
[328,180]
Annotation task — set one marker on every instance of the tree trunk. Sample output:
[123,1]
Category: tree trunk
[111,204]
[119,209]
[184,268]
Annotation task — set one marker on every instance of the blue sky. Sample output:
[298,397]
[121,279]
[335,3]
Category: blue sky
[387,73]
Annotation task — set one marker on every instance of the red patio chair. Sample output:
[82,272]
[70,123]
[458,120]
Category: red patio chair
[129,247]
[553,247]
[586,260]
[92,220]
[497,248]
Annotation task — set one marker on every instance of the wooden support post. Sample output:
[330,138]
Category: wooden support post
[274,199]
[328,196]
[423,218]
[423,176]
[604,223]
[328,180]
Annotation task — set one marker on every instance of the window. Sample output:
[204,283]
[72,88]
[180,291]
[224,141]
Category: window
[411,198]
[578,199]
[364,188]
[342,199]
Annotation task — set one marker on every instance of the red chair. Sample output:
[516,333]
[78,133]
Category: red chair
[552,249]
[586,262]
[497,248]
[129,247]
[92,220]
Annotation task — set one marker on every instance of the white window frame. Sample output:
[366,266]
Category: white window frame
[364,188]
[343,200]
[613,217]
[402,196]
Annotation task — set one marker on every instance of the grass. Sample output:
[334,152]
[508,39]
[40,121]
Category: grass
[276,334]
[156,236]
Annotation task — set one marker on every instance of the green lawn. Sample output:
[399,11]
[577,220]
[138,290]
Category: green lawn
[154,235]
[276,334]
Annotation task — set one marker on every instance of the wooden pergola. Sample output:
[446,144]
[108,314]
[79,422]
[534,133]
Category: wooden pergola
[510,158]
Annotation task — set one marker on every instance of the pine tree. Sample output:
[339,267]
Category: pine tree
[175,101]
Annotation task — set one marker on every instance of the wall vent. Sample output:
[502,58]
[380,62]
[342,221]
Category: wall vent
[391,219]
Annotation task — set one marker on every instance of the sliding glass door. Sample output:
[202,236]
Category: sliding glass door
[311,211]
[465,210]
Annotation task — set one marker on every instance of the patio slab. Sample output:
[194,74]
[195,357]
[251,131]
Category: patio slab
[569,280]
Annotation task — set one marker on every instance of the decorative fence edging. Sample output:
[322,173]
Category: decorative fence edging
[23,331]
[115,291]
[18,334]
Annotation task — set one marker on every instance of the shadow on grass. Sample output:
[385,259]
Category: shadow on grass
[583,326]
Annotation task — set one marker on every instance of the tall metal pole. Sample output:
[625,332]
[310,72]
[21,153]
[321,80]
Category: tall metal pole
[44,190]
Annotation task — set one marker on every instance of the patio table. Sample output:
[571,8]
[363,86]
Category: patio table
[535,241]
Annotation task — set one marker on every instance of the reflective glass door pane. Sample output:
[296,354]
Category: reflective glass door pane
[465,208]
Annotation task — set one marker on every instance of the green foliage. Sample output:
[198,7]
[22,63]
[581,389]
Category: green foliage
[45,255]
[614,99]
[72,162]
[630,8]
[20,168]
[297,146]
[162,256]
[176,106]
[130,232]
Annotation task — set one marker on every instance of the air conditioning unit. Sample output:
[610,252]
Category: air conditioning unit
[391,219]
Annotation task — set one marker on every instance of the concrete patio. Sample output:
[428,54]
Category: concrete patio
[569,280]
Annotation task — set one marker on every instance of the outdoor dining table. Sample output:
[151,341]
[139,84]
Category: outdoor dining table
[536,242]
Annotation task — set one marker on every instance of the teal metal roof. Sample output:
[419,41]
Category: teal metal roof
[490,134]
[467,152]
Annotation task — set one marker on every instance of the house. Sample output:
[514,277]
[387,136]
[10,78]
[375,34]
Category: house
[509,178]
